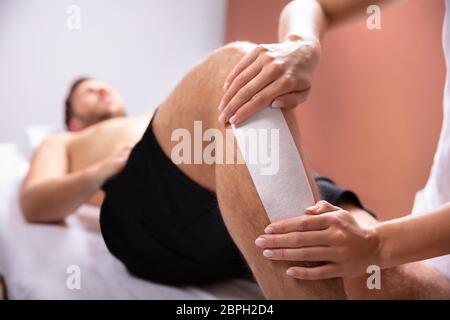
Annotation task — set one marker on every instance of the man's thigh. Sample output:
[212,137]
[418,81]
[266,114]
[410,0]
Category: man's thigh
[194,102]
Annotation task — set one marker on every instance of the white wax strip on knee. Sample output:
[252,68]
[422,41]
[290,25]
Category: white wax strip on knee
[275,164]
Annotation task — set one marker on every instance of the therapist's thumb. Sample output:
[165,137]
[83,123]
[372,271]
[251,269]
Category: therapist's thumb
[290,100]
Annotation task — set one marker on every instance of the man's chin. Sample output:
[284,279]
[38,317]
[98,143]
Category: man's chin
[112,115]
[117,111]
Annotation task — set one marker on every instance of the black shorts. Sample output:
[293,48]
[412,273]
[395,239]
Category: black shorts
[166,228]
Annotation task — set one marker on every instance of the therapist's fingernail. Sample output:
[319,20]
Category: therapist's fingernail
[233,119]
[260,242]
[221,105]
[225,86]
[312,208]
[268,253]
[268,230]
[290,272]
[277,104]
[222,118]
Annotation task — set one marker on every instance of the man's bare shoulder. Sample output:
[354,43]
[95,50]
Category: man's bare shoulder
[108,135]
[57,140]
[124,128]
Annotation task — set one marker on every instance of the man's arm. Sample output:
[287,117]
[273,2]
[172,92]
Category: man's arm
[50,192]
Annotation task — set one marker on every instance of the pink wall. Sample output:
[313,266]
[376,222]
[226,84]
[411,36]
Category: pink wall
[374,114]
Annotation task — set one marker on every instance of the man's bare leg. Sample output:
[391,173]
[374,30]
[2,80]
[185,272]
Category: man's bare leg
[196,98]
[242,207]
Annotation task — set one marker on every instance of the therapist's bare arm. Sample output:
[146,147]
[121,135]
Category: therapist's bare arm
[414,238]
[279,75]
[351,244]
[50,192]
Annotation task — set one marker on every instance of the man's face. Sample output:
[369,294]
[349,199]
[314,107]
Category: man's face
[93,101]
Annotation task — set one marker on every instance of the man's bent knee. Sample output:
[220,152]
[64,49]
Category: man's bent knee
[237,48]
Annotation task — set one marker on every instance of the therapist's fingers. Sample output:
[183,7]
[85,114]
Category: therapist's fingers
[293,239]
[301,254]
[327,271]
[254,78]
[258,94]
[239,83]
[251,92]
[321,207]
[245,62]
[290,100]
[263,99]
[301,223]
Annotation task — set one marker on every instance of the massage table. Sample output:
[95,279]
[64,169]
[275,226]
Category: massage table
[35,258]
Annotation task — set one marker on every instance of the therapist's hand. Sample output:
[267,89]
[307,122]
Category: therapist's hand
[325,233]
[277,75]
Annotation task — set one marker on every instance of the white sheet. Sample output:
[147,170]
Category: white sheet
[34,258]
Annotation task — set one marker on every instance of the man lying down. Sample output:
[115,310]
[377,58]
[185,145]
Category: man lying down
[181,223]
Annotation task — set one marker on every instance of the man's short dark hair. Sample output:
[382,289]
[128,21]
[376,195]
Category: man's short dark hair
[68,108]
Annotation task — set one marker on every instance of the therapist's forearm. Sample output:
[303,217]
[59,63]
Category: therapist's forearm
[414,238]
[309,19]
[303,19]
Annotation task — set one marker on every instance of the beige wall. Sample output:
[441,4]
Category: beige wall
[374,113]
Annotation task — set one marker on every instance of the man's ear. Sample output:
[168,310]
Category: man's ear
[75,125]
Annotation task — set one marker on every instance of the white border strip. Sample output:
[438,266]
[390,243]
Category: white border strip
[286,192]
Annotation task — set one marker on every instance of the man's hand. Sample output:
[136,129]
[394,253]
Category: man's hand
[325,233]
[277,75]
[112,165]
